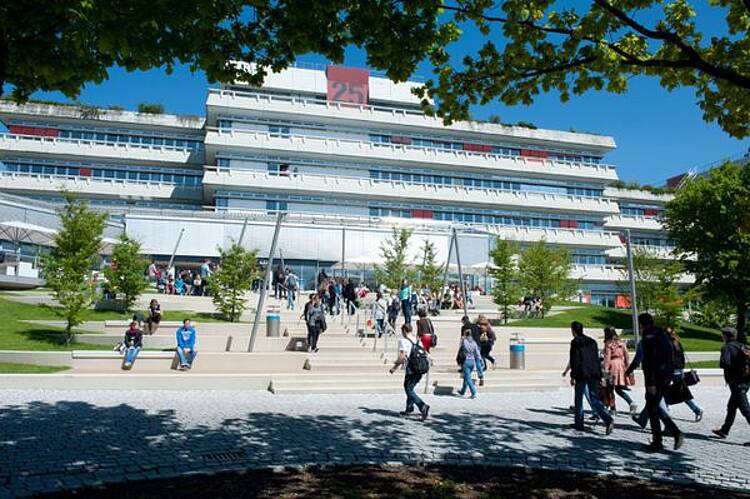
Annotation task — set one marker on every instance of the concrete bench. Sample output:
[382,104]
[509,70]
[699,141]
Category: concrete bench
[126,323]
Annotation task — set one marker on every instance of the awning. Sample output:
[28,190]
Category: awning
[21,232]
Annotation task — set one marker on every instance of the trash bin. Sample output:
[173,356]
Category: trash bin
[273,324]
[517,352]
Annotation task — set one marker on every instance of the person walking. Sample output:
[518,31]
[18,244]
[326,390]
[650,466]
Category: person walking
[404,294]
[154,316]
[315,318]
[425,330]
[678,364]
[472,360]
[657,374]
[487,341]
[586,375]
[379,312]
[132,342]
[616,361]
[186,353]
[735,360]
[350,297]
[394,307]
[292,283]
[408,346]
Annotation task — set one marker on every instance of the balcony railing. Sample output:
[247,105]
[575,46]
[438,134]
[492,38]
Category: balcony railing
[87,142]
[87,179]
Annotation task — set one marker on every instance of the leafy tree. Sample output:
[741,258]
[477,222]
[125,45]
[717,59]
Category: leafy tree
[505,290]
[544,272]
[229,285]
[67,267]
[428,270]
[535,46]
[125,274]
[150,108]
[711,311]
[709,220]
[393,251]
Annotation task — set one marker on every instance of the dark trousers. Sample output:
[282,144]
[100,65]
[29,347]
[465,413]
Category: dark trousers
[406,309]
[657,416]
[486,349]
[312,336]
[411,380]
[737,400]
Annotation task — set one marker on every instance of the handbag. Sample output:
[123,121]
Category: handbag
[691,377]
[677,393]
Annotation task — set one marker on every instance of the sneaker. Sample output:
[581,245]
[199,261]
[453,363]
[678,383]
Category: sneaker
[127,365]
[316,350]
[610,427]
[460,394]
[653,447]
[635,420]
[404,414]
[425,411]
[699,416]
[473,397]
[719,433]
[481,382]
[633,408]
[679,440]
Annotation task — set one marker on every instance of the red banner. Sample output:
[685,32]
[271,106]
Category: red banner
[347,85]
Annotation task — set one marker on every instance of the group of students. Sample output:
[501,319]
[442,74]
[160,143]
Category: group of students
[662,359]
[132,343]
[184,282]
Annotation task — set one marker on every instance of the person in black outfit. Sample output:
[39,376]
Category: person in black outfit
[657,373]
[732,361]
[350,296]
[586,376]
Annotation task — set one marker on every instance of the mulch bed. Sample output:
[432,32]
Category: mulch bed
[403,482]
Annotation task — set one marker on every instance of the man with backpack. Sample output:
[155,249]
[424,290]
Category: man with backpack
[291,288]
[586,376]
[411,353]
[735,360]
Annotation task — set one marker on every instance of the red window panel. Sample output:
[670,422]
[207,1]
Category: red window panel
[427,214]
[533,153]
[17,129]
[421,214]
[347,84]
[572,224]
[51,132]
[650,212]
[477,147]
[400,139]
[85,172]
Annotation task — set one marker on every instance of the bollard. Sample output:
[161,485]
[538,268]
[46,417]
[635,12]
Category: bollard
[517,352]
[273,324]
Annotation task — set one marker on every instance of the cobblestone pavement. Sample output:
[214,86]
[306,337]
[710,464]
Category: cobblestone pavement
[52,440]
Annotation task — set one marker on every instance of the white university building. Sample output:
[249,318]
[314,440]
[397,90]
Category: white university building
[348,156]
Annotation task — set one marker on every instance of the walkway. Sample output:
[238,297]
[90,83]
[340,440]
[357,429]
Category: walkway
[50,440]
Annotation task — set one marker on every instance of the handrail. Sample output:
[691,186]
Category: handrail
[256,134]
[300,177]
[88,179]
[66,140]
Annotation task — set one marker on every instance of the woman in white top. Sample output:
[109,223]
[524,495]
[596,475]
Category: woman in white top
[379,313]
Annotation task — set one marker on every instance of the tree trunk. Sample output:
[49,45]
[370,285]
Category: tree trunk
[741,321]
[68,333]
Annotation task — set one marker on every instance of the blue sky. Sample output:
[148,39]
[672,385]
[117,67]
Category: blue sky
[658,133]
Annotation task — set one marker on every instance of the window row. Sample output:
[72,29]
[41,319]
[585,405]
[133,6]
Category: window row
[133,138]
[105,173]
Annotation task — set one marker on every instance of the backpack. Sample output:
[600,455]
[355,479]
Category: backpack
[743,363]
[419,361]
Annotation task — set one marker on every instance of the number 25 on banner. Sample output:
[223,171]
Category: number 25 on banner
[343,91]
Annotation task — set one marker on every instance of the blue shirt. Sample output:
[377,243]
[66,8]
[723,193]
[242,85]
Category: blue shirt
[186,337]
[405,293]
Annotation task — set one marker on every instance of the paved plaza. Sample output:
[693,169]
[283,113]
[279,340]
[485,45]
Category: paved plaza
[50,440]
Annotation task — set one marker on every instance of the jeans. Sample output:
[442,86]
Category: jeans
[380,327]
[312,336]
[411,380]
[131,353]
[406,309]
[737,400]
[469,365]
[623,393]
[186,359]
[642,418]
[290,300]
[656,415]
[592,386]
[351,309]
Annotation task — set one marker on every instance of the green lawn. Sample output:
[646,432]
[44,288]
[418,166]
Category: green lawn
[694,338]
[712,364]
[18,335]
[8,367]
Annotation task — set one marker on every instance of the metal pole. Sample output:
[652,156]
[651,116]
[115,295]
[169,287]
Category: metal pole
[174,252]
[242,233]
[633,297]
[447,268]
[460,270]
[266,280]
[343,251]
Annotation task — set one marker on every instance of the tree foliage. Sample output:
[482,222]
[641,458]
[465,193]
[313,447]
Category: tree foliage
[544,272]
[709,220]
[529,46]
[393,252]
[429,272]
[126,271]
[506,290]
[229,285]
[68,266]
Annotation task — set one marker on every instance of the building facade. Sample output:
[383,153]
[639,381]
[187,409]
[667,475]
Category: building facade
[347,156]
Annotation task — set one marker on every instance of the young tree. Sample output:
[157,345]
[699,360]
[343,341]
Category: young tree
[230,284]
[709,221]
[544,272]
[505,290]
[393,251]
[126,272]
[428,270]
[67,267]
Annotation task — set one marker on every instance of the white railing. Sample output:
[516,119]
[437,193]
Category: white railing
[89,142]
[363,108]
[88,179]
[426,189]
[254,137]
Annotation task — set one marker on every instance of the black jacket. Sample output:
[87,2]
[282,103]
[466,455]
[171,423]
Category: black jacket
[657,357]
[678,356]
[133,338]
[730,361]
[584,359]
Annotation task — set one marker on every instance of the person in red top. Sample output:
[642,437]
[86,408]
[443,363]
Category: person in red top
[425,330]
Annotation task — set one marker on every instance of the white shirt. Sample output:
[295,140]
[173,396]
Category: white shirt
[405,345]
[380,309]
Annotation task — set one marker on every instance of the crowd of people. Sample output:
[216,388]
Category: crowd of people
[186,282]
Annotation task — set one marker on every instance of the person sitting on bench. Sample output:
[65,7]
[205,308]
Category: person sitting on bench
[186,345]
[133,342]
